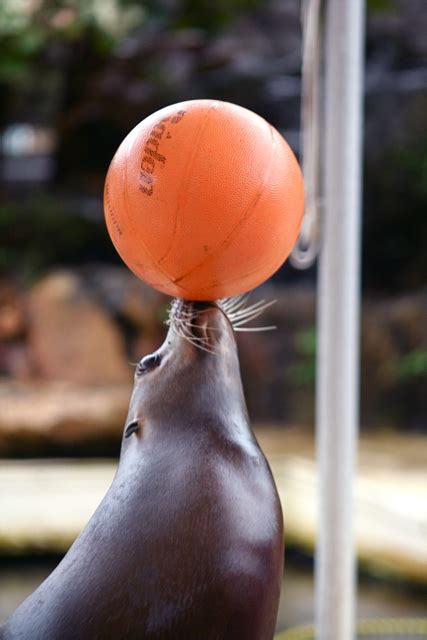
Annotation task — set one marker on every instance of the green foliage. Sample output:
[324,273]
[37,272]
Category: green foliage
[303,372]
[394,218]
[70,65]
[413,365]
[384,6]
[306,342]
[47,230]
[208,15]
[27,31]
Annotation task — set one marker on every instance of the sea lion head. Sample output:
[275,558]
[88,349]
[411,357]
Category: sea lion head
[195,374]
[191,370]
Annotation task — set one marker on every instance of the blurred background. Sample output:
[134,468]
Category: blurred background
[75,77]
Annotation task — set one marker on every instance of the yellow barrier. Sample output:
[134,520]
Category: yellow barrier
[381,627]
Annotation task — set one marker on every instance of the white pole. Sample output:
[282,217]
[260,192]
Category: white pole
[338,320]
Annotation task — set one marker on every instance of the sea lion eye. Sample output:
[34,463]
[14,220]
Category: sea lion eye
[149,362]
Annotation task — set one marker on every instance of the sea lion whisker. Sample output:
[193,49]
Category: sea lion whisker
[191,340]
[192,315]
[177,312]
[243,314]
[232,307]
[240,321]
[197,341]
[177,330]
[190,334]
[209,328]
[245,319]
[197,338]
[194,340]
[184,324]
[258,306]
[238,298]
[237,314]
[226,302]
[247,316]
[199,312]
[254,305]
[255,328]
[232,304]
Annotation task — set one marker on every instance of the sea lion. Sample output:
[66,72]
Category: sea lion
[188,541]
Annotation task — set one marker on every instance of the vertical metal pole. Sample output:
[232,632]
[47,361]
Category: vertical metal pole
[338,320]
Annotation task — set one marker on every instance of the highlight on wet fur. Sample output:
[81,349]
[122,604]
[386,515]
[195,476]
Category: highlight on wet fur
[182,315]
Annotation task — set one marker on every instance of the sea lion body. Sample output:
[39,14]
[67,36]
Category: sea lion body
[188,541]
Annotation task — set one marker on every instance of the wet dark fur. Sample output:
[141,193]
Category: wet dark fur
[188,541]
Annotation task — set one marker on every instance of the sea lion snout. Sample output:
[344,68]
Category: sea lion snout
[213,328]
[203,325]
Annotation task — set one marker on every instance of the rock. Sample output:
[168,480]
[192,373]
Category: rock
[408,319]
[126,297]
[71,337]
[86,327]
[15,360]
[14,356]
[42,416]
[139,310]
[12,319]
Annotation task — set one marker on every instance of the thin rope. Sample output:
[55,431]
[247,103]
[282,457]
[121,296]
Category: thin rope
[307,246]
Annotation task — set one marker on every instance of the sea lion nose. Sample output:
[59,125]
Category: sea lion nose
[202,324]
[214,328]
[200,314]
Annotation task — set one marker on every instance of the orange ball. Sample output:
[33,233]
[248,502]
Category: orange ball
[204,200]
